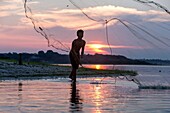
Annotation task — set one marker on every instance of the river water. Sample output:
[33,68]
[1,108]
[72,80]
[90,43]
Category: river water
[149,76]
[62,96]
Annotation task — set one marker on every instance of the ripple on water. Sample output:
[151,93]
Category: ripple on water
[60,95]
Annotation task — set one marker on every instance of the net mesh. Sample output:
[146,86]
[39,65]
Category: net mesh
[56,21]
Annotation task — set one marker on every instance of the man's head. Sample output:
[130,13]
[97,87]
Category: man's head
[80,33]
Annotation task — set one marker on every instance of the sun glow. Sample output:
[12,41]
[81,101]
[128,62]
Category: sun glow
[98,66]
[97,48]
[102,48]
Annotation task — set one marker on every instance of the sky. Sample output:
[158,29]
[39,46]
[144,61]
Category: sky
[148,35]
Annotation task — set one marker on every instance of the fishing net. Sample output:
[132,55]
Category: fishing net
[114,23]
[119,25]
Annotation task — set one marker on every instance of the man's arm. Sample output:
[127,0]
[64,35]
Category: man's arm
[82,50]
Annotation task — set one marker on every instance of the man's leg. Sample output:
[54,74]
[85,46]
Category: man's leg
[70,76]
[73,74]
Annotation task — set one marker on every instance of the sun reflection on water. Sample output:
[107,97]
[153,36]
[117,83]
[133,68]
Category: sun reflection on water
[106,97]
[99,66]
[98,96]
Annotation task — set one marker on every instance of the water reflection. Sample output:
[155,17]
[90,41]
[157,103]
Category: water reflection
[98,97]
[20,86]
[19,96]
[98,66]
[61,96]
[75,99]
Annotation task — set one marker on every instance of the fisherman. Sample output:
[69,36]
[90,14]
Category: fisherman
[74,54]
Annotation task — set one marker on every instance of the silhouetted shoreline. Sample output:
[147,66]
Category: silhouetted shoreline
[51,57]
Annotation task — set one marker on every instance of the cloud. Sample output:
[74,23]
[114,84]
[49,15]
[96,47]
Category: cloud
[64,21]
[73,18]
[9,12]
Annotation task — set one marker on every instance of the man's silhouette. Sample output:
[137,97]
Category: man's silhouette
[74,54]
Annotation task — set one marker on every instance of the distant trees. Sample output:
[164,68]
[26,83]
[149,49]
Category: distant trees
[41,53]
[49,52]
[56,58]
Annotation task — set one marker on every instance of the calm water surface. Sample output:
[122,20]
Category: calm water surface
[62,96]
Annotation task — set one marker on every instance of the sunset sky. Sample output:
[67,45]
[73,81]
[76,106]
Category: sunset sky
[60,19]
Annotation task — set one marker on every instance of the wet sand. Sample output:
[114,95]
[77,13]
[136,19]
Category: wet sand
[11,70]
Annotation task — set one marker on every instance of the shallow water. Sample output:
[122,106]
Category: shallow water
[62,96]
[149,76]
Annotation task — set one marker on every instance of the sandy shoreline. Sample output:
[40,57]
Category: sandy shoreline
[11,70]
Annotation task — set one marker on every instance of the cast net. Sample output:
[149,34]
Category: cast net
[118,25]
[109,21]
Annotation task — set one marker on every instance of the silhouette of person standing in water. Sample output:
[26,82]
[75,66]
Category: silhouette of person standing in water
[74,54]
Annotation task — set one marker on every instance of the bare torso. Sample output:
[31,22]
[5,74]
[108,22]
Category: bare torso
[77,45]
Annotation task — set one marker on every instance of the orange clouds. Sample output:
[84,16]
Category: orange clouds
[101,48]
[96,48]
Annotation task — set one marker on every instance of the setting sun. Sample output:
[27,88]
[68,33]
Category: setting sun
[98,67]
[97,48]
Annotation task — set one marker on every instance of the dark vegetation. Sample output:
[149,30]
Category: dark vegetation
[51,57]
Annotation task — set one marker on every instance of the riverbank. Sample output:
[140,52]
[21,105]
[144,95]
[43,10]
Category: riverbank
[11,70]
